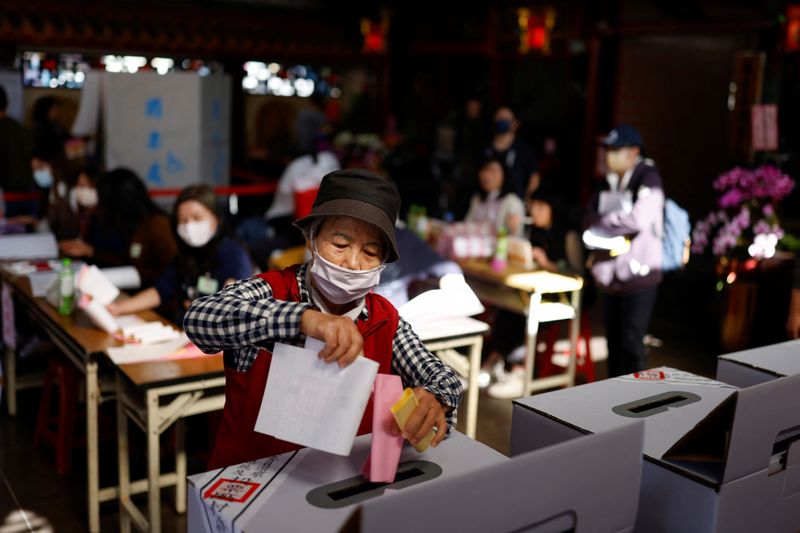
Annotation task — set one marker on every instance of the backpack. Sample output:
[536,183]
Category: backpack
[676,239]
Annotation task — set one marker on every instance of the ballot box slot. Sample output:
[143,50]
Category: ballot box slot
[653,405]
[357,489]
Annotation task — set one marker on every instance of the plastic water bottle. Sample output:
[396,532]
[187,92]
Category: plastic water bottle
[500,259]
[66,287]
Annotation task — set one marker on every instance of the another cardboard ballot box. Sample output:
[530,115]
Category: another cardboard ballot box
[717,458]
[751,367]
[309,490]
[590,483]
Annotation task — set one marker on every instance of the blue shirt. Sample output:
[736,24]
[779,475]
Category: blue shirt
[231,262]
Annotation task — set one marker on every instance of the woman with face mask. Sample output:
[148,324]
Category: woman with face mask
[207,260]
[350,235]
[71,212]
[128,228]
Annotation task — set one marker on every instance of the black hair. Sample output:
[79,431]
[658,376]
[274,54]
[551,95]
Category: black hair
[123,200]
[41,109]
[3,99]
[508,182]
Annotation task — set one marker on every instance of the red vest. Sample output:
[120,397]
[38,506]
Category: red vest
[237,442]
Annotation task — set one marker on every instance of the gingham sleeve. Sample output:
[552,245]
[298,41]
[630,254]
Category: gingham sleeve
[418,367]
[242,317]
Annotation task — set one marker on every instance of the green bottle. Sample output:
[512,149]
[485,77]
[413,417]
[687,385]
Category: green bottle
[66,287]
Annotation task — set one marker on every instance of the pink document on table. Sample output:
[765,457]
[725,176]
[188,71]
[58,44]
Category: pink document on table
[381,465]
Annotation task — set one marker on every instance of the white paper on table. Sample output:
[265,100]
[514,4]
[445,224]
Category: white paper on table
[611,201]
[28,246]
[93,283]
[135,353]
[312,403]
[124,277]
[454,299]
[100,316]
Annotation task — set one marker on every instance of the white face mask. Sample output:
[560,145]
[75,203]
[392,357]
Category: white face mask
[341,285]
[196,233]
[85,196]
[43,178]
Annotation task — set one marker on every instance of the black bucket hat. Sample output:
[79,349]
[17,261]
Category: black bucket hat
[360,194]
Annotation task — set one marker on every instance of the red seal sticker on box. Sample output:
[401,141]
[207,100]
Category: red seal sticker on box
[231,490]
[650,375]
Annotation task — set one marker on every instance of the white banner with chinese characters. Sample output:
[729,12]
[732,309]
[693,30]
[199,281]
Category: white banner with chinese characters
[173,130]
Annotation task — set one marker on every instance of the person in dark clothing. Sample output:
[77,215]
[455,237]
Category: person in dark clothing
[48,134]
[16,151]
[516,155]
[129,229]
[628,216]
[208,259]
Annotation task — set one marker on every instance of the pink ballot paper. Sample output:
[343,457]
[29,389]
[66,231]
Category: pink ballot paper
[381,465]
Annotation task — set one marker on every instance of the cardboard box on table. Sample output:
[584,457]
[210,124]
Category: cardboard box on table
[717,458]
[586,484]
[751,367]
[311,490]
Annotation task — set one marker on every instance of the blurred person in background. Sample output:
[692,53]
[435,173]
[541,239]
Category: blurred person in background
[16,151]
[630,205]
[129,229]
[293,197]
[496,202]
[70,214]
[514,153]
[208,258]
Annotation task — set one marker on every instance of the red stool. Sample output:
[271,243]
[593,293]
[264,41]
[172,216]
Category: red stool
[549,334]
[59,430]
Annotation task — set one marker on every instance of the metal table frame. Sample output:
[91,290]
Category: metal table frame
[154,410]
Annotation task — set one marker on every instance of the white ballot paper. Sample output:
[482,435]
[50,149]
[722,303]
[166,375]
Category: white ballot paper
[312,403]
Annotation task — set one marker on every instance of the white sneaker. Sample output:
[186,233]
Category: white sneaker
[511,386]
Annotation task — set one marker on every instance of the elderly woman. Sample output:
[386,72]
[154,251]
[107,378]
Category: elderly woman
[350,234]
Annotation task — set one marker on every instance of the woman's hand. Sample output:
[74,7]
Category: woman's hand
[343,342]
[428,414]
[76,248]
[540,256]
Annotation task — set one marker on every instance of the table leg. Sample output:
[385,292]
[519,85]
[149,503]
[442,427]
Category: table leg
[92,446]
[180,465]
[123,461]
[10,372]
[472,393]
[574,330]
[531,332]
[153,463]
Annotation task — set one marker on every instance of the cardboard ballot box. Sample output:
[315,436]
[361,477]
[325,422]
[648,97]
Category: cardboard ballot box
[309,490]
[751,367]
[589,483]
[717,458]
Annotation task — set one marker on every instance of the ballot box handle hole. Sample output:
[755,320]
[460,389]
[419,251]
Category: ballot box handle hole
[780,450]
[655,404]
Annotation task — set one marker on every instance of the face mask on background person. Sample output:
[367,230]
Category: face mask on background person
[196,233]
[341,285]
[85,196]
[502,126]
[43,177]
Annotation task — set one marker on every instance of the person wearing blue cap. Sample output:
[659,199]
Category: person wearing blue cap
[626,223]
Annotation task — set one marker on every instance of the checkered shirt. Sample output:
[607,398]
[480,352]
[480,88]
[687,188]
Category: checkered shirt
[244,317]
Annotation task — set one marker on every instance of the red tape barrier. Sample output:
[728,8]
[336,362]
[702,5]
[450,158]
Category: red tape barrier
[240,190]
